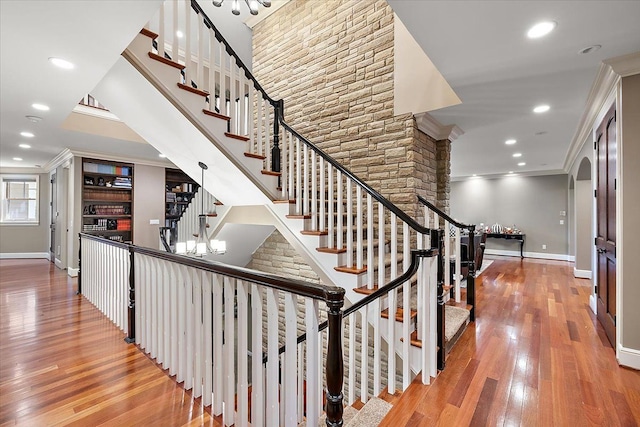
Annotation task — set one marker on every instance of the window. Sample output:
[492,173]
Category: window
[19,199]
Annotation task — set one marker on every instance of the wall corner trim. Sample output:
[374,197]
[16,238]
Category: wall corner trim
[24,255]
[436,130]
[582,274]
[629,357]
[73,272]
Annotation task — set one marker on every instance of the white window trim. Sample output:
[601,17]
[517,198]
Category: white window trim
[25,177]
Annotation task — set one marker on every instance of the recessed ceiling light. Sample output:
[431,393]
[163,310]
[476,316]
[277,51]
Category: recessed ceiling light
[17,159]
[475,174]
[522,164]
[61,63]
[162,155]
[510,141]
[517,154]
[27,134]
[40,107]
[541,29]
[179,34]
[510,171]
[589,49]
[541,109]
[34,119]
[24,146]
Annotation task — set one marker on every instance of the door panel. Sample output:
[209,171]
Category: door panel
[606,223]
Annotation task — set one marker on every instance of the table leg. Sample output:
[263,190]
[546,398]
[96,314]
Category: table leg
[521,245]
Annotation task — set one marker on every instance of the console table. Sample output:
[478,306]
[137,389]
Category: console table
[518,237]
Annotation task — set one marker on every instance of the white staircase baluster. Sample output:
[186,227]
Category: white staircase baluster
[447,254]
[370,243]
[137,299]
[161,33]
[349,225]
[314,191]
[290,374]
[174,28]
[299,193]
[182,324]
[331,199]
[291,172]
[340,203]
[187,50]
[257,373]
[207,320]
[391,352]
[364,355]
[359,231]
[167,285]
[313,355]
[190,341]
[423,313]
[243,361]
[352,359]
[267,138]
[212,71]
[377,344]
[300,389]
[200,43]
[432,319]
[218,328]
[259,123]
[284,169]
[229,351]
[222,93]
[272,394]
[406,311]
[242,105]
[233,96]
[322,224]
[381,245]
[305,180]
[197,320]
[153,348]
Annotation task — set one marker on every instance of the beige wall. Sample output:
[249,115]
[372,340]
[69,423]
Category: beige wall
[532,203]
[333,64]
[18,239]
[629,252]
[584,240]
[148,204]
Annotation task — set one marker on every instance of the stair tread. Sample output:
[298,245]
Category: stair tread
[148,33]
[354,270]
[271,173]
[255,156]
[166,61]
[313,232]
[290,202]
[399,314]
[234,136]
[365,291]
[351,270]
[298,216]
[333,250]
[413,340]
[214,114]
[193,89]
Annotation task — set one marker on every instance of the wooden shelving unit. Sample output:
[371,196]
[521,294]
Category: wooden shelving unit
[180,190]
[107,199]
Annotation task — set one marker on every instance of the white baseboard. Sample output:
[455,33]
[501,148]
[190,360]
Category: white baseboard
[73,272]
[592,303]
[539,255]
[572,258]
[582,274]
[28,255]
[629,357]
[58,264]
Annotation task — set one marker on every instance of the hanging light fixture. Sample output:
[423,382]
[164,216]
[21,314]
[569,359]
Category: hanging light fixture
[202,246]
[251,4]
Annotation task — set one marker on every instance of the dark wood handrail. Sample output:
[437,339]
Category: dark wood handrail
[298,287]
[196,7]
[444,215]
[104,240]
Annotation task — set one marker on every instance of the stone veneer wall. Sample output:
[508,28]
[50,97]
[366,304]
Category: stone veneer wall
[332,63]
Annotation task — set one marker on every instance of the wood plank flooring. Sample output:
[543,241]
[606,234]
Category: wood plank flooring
[63,363]
[536,356]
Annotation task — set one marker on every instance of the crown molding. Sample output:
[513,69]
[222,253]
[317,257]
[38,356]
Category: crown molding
[68,154]
[601,95]
[62,157]
[264,12]
[95,112]
[436,130]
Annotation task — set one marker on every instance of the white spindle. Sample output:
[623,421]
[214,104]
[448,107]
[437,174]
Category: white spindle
[212,71]
[352,359]
[190,329]
[207,320]
[391,353]
[364,355]
[313,354]
[187,49]
[138,298]
[242,114]
[406,311]
[229,350]
[233,97]
[285,163]
[322,225]
[200,45]
[305,180]
[339,196]
[257,373]
[166,304]
[370,243]
[218,331]
[174,29]
[267,129]
[272,409]
[223,80]
[300,389]
[349,225]
[447,254]
[299,196]
[182,324]
[331,200]
[259,123]
[292,191]
[381,245]
[377,344]
[197,320]
[359,231]
[289,372]
[430,327]
[243,377]
[161,34]
[153,349]
[314,191]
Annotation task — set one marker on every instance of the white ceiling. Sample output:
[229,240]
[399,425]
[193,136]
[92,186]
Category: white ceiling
[481,49]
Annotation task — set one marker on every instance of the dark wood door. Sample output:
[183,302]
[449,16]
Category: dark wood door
[606,223]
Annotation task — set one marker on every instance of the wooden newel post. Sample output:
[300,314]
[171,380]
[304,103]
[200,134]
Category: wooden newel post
[79,265]
[471,276]
[335,363]
[440,311]
[278,111]
[131,307]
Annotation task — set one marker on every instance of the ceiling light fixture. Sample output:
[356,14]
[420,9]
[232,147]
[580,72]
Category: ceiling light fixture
[40,107]
[510,141]
[17,159]
[251,4]
[162,155]
[541,109]
[517,154]
[62,63]
[541,29]
[522,164]
[34,119]
[24,146]
[589,49]
[27,134]
[179,34]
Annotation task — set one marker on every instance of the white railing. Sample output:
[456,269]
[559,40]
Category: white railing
[216,328]
[105,277]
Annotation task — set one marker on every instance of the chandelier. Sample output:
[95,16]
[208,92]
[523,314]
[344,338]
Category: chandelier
[251,4]
[201,246]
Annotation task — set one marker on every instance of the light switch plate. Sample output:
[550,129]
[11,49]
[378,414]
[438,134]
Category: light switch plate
[154,221]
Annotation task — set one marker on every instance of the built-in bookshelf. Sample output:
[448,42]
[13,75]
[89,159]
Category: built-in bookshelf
[107,199]
[180,190]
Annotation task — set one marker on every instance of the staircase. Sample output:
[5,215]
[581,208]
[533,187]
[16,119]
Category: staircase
[204,105]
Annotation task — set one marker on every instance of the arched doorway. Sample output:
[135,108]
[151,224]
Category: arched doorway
[583,197]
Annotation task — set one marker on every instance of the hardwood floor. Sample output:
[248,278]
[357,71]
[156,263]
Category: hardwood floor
[63,363]
[535,356]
